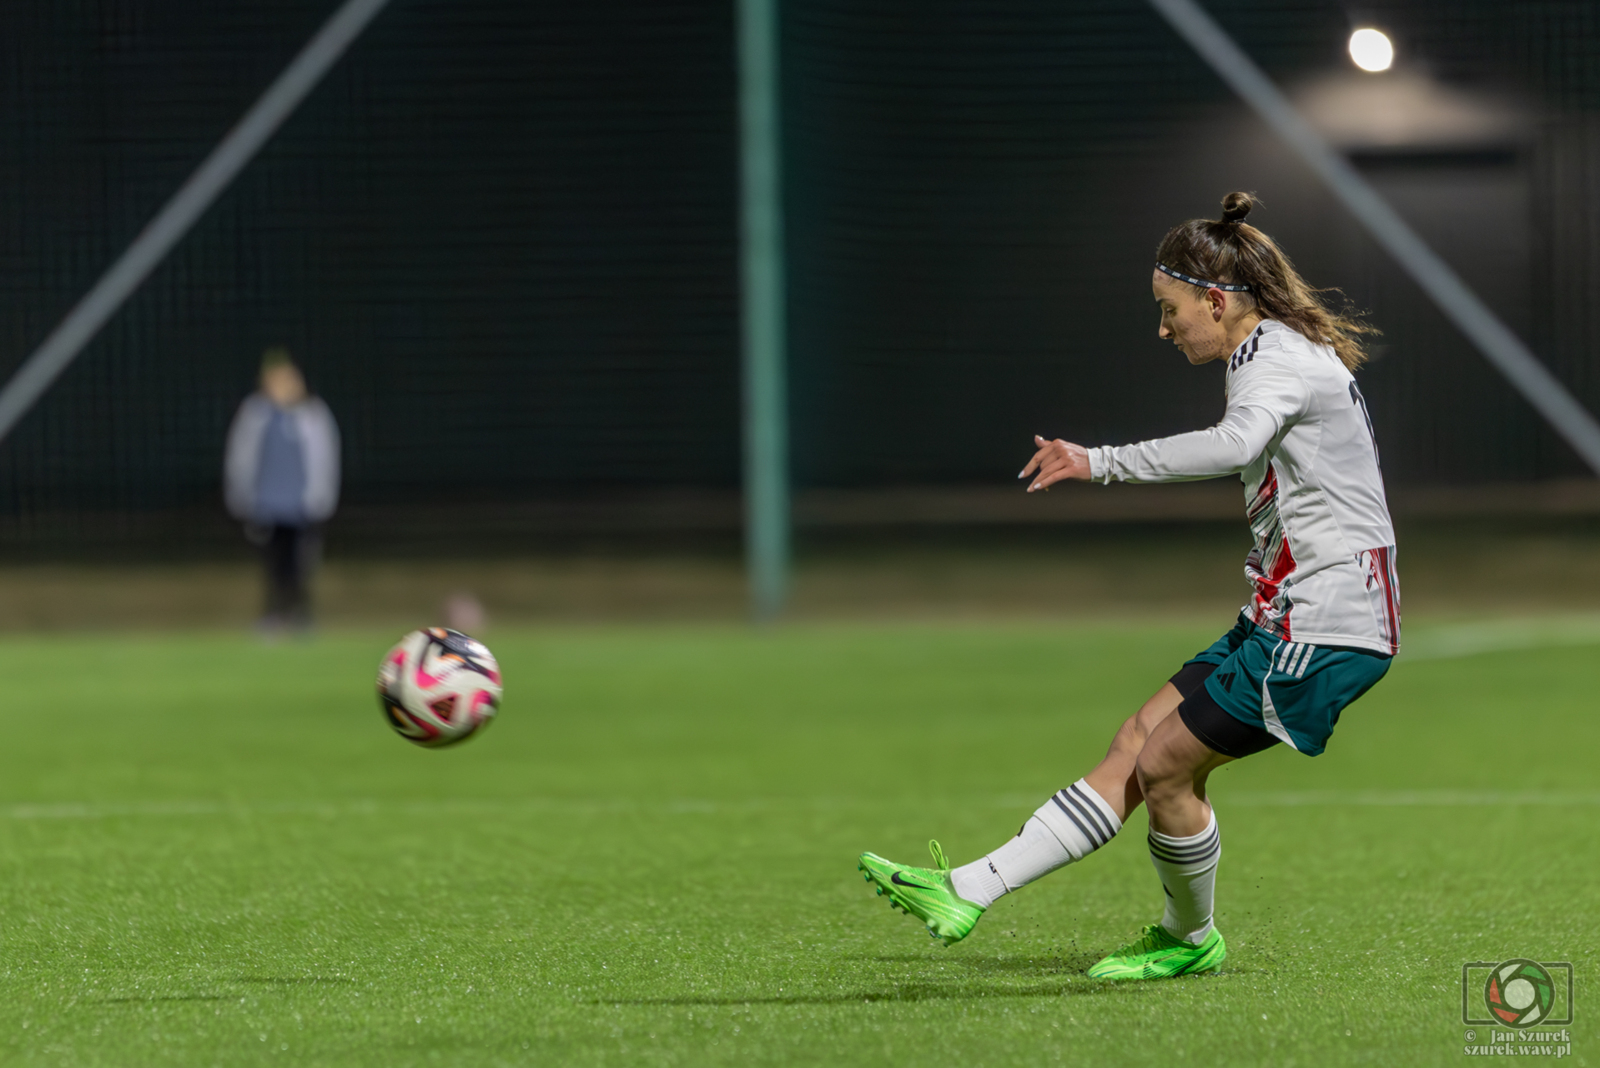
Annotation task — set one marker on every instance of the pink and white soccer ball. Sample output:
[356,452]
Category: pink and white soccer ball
[439,686]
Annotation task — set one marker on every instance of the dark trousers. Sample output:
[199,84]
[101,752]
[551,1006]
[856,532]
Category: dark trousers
[289,555]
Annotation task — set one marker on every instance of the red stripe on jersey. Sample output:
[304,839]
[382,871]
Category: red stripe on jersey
[1268,585]
[1379,565]
[1271,561]
[1390,582]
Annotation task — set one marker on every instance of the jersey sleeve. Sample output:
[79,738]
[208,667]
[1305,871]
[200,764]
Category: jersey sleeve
[1263,397]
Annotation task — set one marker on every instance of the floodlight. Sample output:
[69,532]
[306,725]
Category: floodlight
[1371,50]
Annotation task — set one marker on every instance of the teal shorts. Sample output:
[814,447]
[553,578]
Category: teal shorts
[1271,690]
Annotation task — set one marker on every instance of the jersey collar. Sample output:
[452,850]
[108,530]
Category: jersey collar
[1246,350]
[1249,346]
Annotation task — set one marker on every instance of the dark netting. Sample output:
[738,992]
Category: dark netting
[502,237]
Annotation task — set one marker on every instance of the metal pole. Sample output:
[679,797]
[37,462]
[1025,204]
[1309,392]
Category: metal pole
[174,220]
[1458,302]
[766,430]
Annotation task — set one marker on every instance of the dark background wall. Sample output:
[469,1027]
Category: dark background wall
[979,189]
[502,238]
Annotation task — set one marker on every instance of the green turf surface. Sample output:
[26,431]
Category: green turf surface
[215,852]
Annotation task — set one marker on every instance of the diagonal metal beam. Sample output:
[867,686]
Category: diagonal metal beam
[180,213]
[1454,297]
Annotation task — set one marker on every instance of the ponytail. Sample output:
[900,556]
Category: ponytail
[1234,252]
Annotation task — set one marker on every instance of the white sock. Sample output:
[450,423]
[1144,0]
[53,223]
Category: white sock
[1188,870]
[1071,825]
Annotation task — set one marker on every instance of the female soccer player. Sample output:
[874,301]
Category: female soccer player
[1321,627]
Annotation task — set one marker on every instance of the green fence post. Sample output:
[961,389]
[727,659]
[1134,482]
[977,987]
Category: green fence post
[766,422]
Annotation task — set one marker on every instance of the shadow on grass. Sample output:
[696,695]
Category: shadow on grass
[907,992]
[986,978]
[146,998]
[1042,966]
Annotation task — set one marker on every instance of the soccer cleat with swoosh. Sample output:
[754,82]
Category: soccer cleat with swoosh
[925,893]
[1158,954]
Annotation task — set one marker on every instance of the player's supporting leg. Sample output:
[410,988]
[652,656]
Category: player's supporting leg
[1184,843]
[1075,821]
[1185,847]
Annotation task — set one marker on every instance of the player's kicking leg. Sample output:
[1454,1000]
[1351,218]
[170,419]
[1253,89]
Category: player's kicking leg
[1073,823]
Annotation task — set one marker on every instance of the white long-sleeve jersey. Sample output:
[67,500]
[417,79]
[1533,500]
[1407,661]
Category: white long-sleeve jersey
[1297,433]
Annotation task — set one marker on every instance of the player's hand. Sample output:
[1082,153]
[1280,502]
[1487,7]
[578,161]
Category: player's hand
[1055,461]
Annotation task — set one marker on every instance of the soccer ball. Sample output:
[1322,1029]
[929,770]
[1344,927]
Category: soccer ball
[438,686]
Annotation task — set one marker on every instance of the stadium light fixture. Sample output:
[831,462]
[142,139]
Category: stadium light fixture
[1437,278]
[1371,50]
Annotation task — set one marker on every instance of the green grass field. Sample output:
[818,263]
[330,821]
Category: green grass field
[215,852]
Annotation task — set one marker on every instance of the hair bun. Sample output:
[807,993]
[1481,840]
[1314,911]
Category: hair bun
[1235,206]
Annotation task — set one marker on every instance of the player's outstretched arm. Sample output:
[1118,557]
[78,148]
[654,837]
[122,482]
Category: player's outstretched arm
[1056,460]
[1262,398]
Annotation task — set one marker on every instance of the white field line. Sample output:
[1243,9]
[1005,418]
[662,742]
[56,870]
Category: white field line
[365,808]
[1412,798]
[1500,635]
[693,807]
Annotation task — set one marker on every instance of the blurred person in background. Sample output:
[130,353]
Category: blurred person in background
[281,480]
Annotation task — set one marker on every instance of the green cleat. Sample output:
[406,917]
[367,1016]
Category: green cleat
[925,893]
[1159,955]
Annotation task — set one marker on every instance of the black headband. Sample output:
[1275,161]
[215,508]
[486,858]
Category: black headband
[1201,282]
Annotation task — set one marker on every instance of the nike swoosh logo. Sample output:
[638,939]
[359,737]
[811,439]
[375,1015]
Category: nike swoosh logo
[895,878]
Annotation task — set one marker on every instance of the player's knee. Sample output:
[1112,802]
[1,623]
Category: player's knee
[1135,731]
[1158,776]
